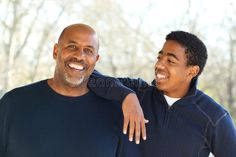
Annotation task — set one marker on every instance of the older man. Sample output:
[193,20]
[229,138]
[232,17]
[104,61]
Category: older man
[60,117]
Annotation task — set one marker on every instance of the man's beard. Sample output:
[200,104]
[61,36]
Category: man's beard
[74,82]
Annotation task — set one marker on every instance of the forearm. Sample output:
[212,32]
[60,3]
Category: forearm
[108,87]
[115,89]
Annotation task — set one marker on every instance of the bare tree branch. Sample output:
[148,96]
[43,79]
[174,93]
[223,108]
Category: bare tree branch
[29,31]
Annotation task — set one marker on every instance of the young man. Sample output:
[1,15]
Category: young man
[183,121]
[59,116]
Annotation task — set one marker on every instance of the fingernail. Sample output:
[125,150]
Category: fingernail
[137,141]
[124,132]
[144,138]
[130,139]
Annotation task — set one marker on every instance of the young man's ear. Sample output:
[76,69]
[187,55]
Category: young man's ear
[194,70]
[55,51]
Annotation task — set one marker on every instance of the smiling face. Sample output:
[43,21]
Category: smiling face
[173,76]
[76,54]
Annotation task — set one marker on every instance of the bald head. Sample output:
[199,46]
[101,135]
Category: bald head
[79,28]
[76,54]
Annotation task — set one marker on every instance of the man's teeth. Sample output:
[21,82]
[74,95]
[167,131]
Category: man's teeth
[160,76]
[76,66]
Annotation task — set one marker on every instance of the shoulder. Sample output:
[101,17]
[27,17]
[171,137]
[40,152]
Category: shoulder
[19,94]
[213,111]
[26,90]
[135,83]
[108,108]
[142,87]
[101,102]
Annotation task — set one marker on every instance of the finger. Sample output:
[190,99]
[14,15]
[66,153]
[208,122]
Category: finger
[143,127]
[131,130]
[137,132]
[125,125]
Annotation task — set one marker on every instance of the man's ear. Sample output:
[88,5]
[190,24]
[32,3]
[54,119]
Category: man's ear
[194,70]
[55,51]
[97,57]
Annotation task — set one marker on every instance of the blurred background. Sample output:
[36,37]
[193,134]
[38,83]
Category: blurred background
[131,33]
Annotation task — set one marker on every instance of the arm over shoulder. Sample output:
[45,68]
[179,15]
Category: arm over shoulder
[114,88]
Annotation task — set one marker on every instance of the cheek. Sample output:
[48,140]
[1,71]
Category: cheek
[60,61]
[92,62]
[182,76]
[177,74]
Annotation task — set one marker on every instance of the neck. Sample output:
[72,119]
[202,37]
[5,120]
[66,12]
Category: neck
[67,90]
[177,93]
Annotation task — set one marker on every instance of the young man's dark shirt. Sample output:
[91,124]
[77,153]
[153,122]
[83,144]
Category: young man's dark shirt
[193,126]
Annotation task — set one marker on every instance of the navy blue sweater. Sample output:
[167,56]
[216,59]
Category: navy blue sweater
[35,121]
[193,127]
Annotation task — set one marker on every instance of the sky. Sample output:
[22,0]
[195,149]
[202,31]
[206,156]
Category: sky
[163,12]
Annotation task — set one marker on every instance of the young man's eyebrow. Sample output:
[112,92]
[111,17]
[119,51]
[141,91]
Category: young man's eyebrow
[168,54]
[172,55]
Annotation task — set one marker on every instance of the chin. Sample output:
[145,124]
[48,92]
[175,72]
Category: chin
[159,87]
[75,82]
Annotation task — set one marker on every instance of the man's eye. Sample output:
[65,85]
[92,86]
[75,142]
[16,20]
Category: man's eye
[158,57]
[88,51]
[170,61]
[72,47]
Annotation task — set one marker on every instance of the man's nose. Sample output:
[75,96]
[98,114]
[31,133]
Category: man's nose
[160,64]
[80,53]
